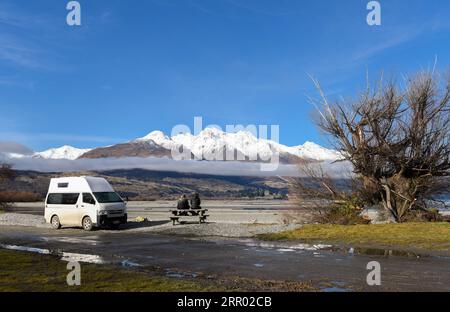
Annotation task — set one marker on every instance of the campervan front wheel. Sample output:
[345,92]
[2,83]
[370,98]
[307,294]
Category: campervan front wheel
[55,223]
[87,224]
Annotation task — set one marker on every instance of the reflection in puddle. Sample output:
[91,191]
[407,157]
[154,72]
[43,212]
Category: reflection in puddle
[174,275]
[259,265]
[335,286]
[285,249]
[68,256]
[383,252]
[129,264]
[334,289]
[318,255]
[288,247]
[28,249]
[91,240]
[65,256]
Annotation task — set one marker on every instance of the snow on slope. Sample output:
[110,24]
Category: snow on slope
[314,151]
[63,152]
[211,140]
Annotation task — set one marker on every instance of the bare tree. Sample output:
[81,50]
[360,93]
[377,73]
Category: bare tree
[319,197]
[397,139]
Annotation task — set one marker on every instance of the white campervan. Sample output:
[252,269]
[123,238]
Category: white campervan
[83,201]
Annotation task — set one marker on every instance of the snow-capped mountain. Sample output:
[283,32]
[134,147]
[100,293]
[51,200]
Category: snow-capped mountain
[63,152]
[214,141]
[312,150]
[130,149]
[210,144]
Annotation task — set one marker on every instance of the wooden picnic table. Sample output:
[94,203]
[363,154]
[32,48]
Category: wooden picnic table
[178,213]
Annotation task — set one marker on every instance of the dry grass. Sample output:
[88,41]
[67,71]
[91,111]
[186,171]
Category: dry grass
[19,197]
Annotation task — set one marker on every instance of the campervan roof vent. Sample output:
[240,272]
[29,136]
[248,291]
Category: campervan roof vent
[63,185]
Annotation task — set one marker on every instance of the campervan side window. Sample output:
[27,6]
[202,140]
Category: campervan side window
[88,199]
[62,199]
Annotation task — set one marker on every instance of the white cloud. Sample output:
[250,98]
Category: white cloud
[163,164]
[13,147]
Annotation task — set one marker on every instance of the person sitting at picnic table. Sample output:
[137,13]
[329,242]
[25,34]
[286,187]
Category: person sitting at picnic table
[195,201]
[183,203]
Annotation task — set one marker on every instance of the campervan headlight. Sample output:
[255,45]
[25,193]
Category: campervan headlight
[103,212]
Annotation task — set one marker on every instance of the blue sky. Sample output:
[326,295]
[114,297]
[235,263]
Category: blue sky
[137,66]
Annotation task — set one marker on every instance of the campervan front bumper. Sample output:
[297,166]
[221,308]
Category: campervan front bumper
[110,220]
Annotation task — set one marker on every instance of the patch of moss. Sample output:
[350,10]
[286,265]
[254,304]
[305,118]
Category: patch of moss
[420,235]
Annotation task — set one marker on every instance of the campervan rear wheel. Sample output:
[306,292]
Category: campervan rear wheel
[55,223]
[87,224]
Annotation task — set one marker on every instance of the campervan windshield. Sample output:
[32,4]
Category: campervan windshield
[108,197]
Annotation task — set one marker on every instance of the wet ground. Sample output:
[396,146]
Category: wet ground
[327,267]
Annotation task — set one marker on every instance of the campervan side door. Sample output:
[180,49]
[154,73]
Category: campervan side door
[68,208]
[88,207]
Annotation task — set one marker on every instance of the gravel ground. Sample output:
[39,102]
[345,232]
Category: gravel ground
[17,219]
[232,218]
[219,229]
[235,230]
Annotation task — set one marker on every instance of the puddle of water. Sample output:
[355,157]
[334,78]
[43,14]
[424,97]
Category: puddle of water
[65,256]
[318,255]
[383,252]
[334,289]
[28,249]
[174,275]
[74,240]
[289,247]
[259,265]
[336,286]
[178,274]
[259,250]
[129,264]
[285,249]
[69,256]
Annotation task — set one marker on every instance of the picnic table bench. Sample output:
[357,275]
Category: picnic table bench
[178,213]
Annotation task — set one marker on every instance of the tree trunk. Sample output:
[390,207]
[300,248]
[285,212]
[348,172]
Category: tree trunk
[388,202]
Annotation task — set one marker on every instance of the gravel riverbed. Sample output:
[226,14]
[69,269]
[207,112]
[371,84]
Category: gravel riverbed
[235,230]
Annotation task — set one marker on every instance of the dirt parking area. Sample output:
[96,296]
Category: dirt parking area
[163,227]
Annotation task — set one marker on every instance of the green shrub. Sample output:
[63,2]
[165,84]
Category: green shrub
[430,215]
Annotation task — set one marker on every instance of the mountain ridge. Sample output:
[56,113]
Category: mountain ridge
[210,144]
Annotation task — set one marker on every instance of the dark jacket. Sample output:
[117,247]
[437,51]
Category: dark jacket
[183,204]
[195,202]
